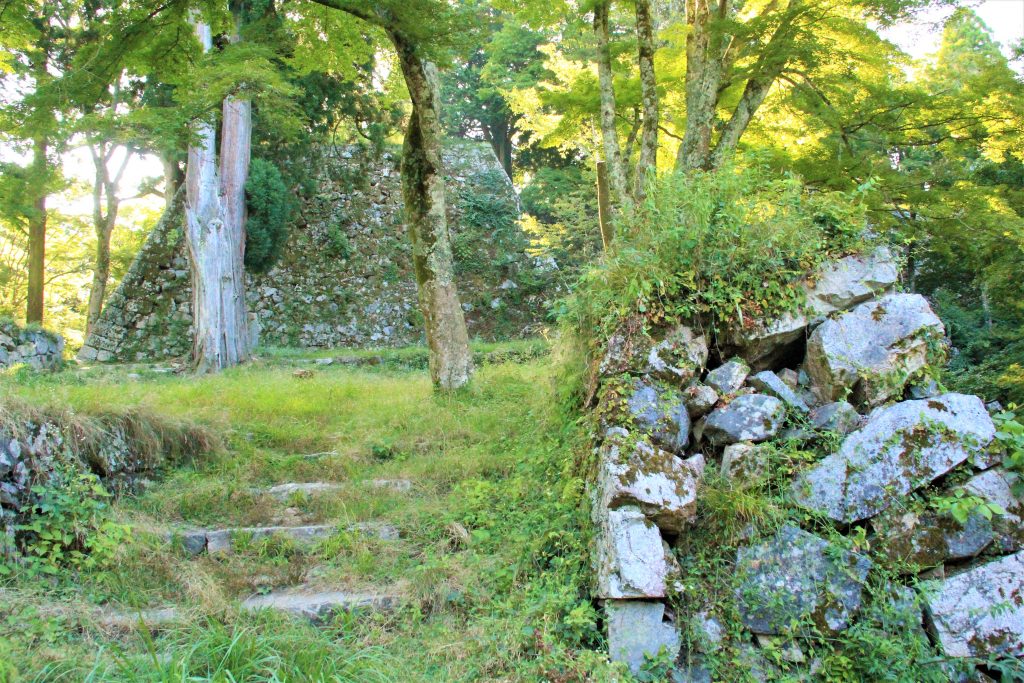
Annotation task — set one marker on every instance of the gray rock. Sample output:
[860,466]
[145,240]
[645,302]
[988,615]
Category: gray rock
[796,576]
[925,388]
[767,382]
[901,448]
[926,539]
[637,629]
[286,491]
[980,612]
[744,462]
[751,417]
[871,351]
[661,485]
[728,377]
[699,399]
[625,351]
[841,284]
[790,377]
[318,606]
[837,286]
[679,357]
[660,412]
[630,558]
[838,416]
[999,486]
[222,540]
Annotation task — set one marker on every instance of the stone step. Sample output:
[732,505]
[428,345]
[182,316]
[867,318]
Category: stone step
[318,606]
[285,491]
[151,619]
[214,541]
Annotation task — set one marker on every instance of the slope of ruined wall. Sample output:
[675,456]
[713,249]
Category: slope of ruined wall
[345,277]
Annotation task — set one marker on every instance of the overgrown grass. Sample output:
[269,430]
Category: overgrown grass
[493,563]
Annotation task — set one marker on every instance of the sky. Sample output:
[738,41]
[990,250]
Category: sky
[1004,17]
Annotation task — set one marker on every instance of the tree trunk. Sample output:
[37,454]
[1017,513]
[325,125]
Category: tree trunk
[173,178]
[648,161]
[423,189]
[215,233]
[100,276]
[609,136]
[37,233]
[704,66]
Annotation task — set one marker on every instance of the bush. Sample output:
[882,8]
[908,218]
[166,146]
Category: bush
[271,207]
[720,247]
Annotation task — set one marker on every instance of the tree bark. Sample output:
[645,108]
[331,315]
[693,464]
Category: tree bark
[705,53]
[423,189]
[215,233]
[37,233]
[104,219]
[609,136]
[648,161]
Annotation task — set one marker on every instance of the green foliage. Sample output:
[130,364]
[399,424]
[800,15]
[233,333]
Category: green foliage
[961,505]
[69,526]
[723,247]
[271,207]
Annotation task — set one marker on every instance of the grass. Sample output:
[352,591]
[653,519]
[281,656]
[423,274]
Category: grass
[492,564]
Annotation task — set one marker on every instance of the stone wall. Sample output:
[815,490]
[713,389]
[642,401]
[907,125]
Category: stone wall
[36,348]
[345,278]
[894,508]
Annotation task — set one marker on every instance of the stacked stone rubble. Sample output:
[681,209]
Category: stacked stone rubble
[35,348]
[849,367]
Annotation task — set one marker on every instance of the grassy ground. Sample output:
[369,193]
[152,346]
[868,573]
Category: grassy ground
[492,562]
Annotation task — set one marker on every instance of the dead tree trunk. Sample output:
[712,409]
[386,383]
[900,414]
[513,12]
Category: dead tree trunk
[609,136]
[215,233]
[648,161]
[423,189]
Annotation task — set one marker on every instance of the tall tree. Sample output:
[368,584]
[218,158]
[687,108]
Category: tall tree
[609,132]
[410,28]
[648,161]
[34,46]
[215,228]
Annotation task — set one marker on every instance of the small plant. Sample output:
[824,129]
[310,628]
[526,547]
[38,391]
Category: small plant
[1010,434]
[69,526]
[960,505]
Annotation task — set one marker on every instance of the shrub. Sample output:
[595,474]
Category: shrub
[70,525]
[720,247]
[271,207]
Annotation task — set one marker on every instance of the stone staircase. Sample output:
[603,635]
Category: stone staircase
[315,603]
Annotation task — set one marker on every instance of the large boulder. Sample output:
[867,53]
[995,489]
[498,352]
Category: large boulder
[901,448]
[980,612]
[661,485]
[679,357]
[836,286]
[659,411]
[631,559]
[751,417]
[795,576]
[871,351]
[637,629]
